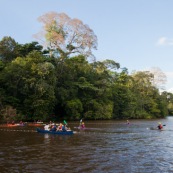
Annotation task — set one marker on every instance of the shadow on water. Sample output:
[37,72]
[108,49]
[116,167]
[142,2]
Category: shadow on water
[108,146]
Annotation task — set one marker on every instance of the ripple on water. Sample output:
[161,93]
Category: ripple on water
[112,148]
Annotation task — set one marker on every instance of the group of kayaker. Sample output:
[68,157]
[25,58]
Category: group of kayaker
[61,126]
[56,127]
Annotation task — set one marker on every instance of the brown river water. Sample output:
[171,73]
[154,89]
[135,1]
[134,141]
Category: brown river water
[106,147]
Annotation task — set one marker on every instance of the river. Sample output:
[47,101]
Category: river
[107,147]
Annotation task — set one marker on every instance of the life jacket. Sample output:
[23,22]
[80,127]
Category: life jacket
[160,126]
[53,128]
[60,127]
[63,128]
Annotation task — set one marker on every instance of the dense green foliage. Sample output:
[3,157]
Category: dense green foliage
[34,86]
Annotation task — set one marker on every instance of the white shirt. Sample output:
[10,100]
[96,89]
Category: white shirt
[46,127]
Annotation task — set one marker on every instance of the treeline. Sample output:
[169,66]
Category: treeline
[35,85]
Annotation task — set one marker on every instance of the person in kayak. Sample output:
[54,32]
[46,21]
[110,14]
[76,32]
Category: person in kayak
[160,126]
[64,128]
[46,127]
[82,125]
[53,127]
[59,127]
[128,122]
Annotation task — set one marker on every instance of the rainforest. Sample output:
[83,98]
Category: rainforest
[63,80]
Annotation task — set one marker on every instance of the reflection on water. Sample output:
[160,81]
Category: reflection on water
[105,147]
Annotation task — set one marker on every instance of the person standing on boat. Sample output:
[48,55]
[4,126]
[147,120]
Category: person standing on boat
[160,126]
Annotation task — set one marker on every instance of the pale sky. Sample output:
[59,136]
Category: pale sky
[138,34]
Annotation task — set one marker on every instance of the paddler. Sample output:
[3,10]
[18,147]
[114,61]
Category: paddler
[83,125]
[160,126]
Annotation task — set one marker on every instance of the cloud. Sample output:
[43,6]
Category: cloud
[164,41]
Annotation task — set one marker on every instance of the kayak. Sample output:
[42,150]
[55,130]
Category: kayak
[86,128]
[152,128]
[35,124]
[13,125]
[80,128]
[70,132]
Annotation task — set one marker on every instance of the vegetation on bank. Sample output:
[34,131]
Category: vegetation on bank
[63,82]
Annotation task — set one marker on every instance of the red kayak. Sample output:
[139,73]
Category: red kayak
[35,124]
[12,125]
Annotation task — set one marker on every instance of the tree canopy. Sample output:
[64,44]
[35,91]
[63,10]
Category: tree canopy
[66,35]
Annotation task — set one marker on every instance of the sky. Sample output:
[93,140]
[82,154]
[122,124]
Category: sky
[138,34]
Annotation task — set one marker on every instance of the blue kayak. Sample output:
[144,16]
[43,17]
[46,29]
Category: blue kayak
[70,132]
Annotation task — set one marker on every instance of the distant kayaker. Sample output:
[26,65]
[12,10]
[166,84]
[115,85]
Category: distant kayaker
[128,122]
[83,125]
[21,122]
[160,126]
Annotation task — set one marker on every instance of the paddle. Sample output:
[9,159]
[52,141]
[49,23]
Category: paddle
[81,121]
[163,125]
[65,122]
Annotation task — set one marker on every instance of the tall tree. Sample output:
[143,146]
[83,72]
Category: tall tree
[159,79]
[66,35]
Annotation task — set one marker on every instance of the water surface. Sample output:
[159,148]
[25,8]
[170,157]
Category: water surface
[107,147]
